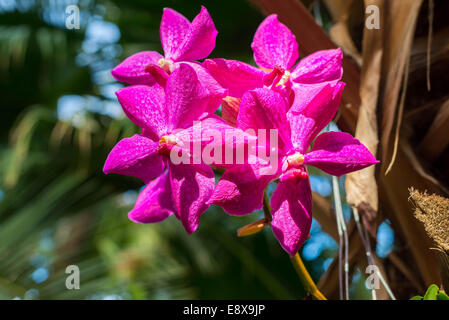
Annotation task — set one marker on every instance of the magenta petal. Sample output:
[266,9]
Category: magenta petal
[338,153]
[209,127]
[199,40]
[240,189]
[145,106]
[160,75]
[211,132]
[136,157]
[186,98]
[321,66]
[291,208]
[274,45]
[234,75]
[174,29]
[304,94]
[307,122]
[265,109]
[213,122]
[154,203]
[214,90]
[132,69]
[192,186]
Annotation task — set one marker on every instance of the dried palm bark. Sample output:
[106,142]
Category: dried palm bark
[400,22]
[387,101]
[436,139]
[342,12]
[361,186]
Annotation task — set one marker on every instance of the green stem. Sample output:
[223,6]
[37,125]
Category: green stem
[306,279]
[299,266]
[266,207]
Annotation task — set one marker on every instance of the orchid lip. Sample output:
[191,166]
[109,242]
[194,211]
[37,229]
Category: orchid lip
[293,167]
[294,174]
[277,77]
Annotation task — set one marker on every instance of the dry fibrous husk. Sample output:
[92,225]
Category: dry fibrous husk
[433,212]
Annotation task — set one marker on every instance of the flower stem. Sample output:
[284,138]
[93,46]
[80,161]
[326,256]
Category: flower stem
[300,268]
[266,207]
[306,279]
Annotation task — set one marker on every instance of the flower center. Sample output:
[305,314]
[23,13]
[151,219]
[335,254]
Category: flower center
[165,64]
[284,79]
[293,167]
[295,160]
[168,139]
[166,143]
[277,77]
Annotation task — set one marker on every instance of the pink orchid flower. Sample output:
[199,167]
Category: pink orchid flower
[240,189]
[166,118]
[276,52]
[182,42]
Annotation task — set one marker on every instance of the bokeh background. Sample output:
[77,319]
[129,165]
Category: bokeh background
[59,119]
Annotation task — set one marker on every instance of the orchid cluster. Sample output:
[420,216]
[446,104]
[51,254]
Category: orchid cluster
[170,94]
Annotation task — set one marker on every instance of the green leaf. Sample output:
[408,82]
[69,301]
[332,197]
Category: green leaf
[442,296]
[432,292]
[416,298]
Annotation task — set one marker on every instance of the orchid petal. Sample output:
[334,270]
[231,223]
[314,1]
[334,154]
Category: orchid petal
[208,127]
[265,109]
[132,69]
[240,189]
[274,45]
[234,75]
[186,98]
[304,95]
[307,123]
[199,40]
[136,157]
[213,132]
[145,106]
[192,186]
[154,202]
[291,208]
[338,153]
[214,90]
[321,66]
[173,30]
[230,107]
